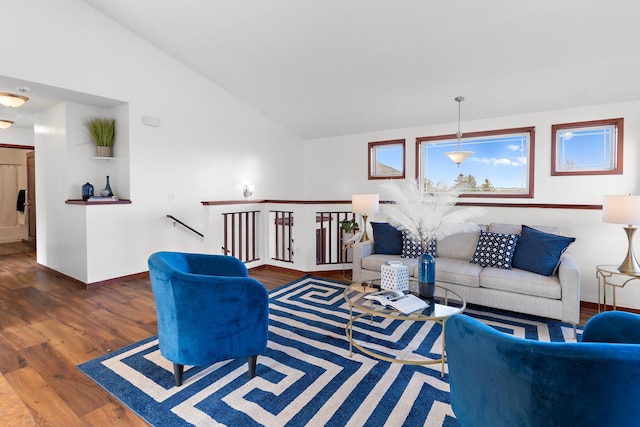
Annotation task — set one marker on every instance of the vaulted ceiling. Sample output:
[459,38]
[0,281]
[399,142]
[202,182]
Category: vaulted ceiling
[333,67]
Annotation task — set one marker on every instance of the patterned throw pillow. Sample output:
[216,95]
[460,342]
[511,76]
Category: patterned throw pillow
[495,250]
[411,247]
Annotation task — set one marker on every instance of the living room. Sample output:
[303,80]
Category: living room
[210,142]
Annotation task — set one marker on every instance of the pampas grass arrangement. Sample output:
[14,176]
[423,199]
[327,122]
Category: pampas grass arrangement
[426,215]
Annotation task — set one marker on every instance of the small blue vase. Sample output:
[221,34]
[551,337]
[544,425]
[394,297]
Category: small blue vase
[87,191]
[427,275]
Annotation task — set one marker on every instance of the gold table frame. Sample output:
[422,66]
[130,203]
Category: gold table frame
[605,274]
[439,313]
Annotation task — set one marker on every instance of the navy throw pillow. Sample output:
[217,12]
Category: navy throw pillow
[495,250]
[539,252]
[387,240]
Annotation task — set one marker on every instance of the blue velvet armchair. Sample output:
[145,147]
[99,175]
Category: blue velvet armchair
[208,310]
[500,380]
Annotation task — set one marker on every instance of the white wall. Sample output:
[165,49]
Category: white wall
[16,136]
[208,146]
[337,168]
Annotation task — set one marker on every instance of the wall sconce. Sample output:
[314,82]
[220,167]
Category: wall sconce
[11,100]
[5,124]
[365,204]
[624,210]
[247,190]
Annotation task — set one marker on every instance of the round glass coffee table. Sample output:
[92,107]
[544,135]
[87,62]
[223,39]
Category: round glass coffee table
[445,304]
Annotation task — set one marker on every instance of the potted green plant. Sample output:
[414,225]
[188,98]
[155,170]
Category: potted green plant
[103,133]
[349,227]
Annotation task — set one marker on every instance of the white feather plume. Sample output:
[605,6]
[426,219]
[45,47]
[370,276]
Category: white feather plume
[426,215]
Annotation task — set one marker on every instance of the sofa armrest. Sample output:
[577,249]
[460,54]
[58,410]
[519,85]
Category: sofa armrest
[569,275]
[360,250]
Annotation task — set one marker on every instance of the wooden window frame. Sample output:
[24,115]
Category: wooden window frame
[619,144]
[374,145]
[470,135]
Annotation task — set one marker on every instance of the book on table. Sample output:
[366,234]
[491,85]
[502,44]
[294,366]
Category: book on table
[404,303]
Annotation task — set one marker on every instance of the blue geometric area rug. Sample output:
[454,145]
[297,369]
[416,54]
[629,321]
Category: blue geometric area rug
[306,377]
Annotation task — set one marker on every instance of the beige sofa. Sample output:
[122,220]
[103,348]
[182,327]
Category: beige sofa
[555,297]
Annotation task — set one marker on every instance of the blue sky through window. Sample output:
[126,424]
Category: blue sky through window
[392,156]
[501,159]
[585,149]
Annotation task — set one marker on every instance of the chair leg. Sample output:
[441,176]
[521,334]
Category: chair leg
[253,360]
[178,370]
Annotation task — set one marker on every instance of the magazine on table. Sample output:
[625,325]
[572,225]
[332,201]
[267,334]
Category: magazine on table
[404,303]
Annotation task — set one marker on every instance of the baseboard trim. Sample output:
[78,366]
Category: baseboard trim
[291,270]
[609,307]
[143,275]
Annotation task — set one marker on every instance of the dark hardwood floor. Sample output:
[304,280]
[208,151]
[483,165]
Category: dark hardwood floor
[49,324]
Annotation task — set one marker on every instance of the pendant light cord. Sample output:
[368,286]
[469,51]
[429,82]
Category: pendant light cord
[459,134]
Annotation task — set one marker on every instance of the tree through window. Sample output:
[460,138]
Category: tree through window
[501,166]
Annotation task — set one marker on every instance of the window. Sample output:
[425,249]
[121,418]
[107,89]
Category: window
[386,159]
[501,166]
[587,148]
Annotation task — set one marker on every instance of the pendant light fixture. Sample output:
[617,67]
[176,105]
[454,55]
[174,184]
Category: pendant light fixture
[11,100]
[458,156]
[5,124]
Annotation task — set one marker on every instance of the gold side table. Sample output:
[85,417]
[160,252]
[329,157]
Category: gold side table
[609,275]
[345,248]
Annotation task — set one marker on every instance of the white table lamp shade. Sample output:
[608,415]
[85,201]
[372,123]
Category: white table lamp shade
[621,209]
[365,203]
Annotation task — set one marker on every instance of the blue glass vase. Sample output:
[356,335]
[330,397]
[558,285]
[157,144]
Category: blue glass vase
[87,191]
[427,275]
[108,187]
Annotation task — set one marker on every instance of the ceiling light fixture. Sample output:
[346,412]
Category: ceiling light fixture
[458,156]
[11,100]
[5,124]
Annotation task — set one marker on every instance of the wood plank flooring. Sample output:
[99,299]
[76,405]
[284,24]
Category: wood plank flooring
[50,324]
[14,248]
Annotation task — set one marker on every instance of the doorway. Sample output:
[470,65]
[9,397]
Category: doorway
[30,205]
[18,233]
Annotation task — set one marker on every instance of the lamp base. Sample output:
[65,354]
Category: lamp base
[629,264]
[364,228]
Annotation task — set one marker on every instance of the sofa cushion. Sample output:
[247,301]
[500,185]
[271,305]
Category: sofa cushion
[386,239]
[521,281]
[412,248]
[495,249]
[374,262]
[496,227]
[539,252]
[459,245]
[458,271]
